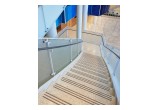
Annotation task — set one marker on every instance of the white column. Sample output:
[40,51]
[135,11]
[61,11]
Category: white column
[85,15]
[79,21]
[52,33]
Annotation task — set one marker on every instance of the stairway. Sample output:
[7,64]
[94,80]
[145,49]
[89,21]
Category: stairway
[87,83]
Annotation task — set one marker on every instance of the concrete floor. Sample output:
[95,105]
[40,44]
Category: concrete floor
[108,25]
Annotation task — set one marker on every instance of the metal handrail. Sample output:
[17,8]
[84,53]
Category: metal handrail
[101,38]
[46,48]
[110,49]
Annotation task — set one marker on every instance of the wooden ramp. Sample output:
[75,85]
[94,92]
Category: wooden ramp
[87,83]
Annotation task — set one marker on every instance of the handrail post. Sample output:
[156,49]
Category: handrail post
[80,47]
[67,33]
[79,50]
[71,49]
[50,58]
[77,47]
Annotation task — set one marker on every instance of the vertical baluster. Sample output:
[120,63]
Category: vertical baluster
[50,58]
[77,47]
[71,49]
[67,34]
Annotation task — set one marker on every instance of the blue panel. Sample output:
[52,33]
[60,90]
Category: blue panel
[89,9]
[95,10]
[104,9]
[60,19]
[70,12]
[63,17]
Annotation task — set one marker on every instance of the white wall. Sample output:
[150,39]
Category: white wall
[47,14]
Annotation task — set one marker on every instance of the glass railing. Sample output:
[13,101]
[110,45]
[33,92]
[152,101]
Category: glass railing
[54,55]
[110,54]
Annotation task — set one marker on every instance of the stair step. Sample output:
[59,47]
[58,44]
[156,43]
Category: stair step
[83,95]
[97,58]
[93,65]
[55,99]
[67,96]
[104,75]
[105,81]
[77,95]
[81,87]
[93,69]
[91,73]
[91,56]
[91,83]
[92,61]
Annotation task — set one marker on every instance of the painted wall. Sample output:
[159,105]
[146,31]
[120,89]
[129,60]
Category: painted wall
[47,14]
[41,23]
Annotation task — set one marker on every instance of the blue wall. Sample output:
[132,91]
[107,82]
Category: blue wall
[70,12]
[60,19]
[104,9]
[93,10]
[97,10]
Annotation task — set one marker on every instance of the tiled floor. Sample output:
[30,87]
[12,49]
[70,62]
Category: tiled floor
[91,49]
[108,25]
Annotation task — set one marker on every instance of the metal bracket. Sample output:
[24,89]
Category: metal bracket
[53,74]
